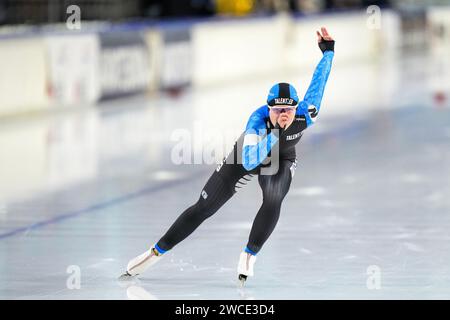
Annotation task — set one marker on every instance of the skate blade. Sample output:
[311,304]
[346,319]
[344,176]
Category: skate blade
[242,278]
[126,277]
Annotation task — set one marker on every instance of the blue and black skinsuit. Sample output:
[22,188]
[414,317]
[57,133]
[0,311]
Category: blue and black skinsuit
[255,153]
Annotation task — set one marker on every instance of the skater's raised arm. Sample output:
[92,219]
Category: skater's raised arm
[257,143]
[310,105]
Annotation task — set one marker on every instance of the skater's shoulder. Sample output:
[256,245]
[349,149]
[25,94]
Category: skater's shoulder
[258,117]
[262,111]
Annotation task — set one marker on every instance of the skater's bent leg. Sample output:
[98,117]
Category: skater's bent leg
[216,192]
[274,187]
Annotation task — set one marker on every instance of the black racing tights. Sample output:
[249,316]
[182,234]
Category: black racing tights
[221,186]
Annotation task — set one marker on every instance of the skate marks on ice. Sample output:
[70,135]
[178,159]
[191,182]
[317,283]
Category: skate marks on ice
[181,278]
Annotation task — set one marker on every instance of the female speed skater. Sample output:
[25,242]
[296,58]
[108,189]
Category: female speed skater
[266,149]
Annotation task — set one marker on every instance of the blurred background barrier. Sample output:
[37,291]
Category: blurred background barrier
[438,30]
[48,63]
[176,57]
[153,41]
[438,20]
[234,49]
[124,63]
[73,69]
[358,40]
[23,75]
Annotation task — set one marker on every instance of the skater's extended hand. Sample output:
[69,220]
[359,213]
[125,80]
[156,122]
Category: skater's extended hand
[323,35]
[326,42]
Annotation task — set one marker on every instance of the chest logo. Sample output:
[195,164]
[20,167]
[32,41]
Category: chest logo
[293,136]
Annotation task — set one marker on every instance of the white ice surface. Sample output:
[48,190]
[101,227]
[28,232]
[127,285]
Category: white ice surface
[96,186]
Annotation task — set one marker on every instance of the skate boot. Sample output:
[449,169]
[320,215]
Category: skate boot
[245,266]
[141,263]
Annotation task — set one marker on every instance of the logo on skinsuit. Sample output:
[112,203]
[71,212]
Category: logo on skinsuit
[221,164]
[293,136]
[312,110]
[204,194]
[293,167]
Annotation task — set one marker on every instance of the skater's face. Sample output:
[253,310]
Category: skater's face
[284,115]
[283,109]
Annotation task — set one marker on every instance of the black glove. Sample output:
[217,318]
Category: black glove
[326,45]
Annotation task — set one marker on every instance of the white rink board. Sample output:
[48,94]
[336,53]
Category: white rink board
[254,47]
[226,50]
[23,75]
[73,63]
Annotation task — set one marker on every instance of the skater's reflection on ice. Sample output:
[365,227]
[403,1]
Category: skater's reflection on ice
[245,294]
[135,292]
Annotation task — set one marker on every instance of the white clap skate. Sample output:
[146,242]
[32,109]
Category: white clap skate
[141,263]
[245,266]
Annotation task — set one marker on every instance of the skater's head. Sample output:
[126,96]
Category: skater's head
[282,94]
[282,101]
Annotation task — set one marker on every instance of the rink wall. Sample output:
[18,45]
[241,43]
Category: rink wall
[46,69]
[438,19]
[283,43]
[72,69]
[23,75]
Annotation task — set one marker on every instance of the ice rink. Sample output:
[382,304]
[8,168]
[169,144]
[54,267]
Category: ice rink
[89,188]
